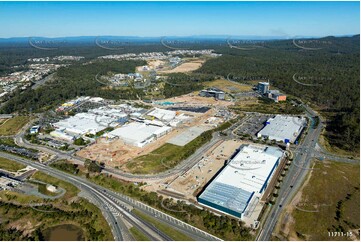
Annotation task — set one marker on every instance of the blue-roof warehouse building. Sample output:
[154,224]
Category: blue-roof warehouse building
[243,180]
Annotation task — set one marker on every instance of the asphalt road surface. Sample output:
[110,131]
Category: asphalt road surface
[181,167]
[115,205]
[300,166]
[303,154]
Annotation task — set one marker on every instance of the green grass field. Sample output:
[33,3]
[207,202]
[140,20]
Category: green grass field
[161,159]
[10,165]
[167,156]
[138,235]
[13,125]
[42,189]
[333,192]
[173,233]
[71,190]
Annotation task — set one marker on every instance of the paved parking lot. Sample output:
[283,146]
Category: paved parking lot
[188,135]
[20,151]
[252,124]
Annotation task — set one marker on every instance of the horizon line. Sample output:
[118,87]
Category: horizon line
[210,36]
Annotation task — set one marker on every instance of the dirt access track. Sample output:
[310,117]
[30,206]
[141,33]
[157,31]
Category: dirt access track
[193,99]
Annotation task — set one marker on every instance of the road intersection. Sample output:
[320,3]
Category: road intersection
[117,204]
[303,155]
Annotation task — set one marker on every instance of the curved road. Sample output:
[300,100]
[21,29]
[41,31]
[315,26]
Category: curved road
[181,167]
[109,216]
[299,168]
[115,205]
[304,153]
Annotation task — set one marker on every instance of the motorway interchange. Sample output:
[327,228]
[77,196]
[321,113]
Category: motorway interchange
[117,208]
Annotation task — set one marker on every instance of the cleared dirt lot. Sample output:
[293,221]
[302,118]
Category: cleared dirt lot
[186,67]
[207,167]
[155,64]
[190,183]
[116,153]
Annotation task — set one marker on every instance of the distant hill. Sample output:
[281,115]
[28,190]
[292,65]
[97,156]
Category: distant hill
[333,63]
[88,39]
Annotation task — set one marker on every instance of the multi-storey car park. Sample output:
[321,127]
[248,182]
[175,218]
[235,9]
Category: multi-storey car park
[240,185]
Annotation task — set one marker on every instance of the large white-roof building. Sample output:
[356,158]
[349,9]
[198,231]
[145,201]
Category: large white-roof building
[61,135]
[81,123]
[91,122]
[168,117]
[109,112]
[95,120]
[243,181]
[283,128]
[139,134]
[163,114]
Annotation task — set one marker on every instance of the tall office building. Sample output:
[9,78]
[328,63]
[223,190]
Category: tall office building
[263,87]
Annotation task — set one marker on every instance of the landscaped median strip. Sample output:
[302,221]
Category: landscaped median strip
[138,235]
[173,233]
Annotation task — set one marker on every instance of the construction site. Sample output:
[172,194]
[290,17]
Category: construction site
[141,140]
[233,177]
[189,183]
[144,131]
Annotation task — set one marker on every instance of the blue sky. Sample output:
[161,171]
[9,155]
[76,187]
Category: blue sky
[54,19]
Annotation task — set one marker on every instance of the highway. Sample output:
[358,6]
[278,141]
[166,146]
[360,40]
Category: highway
[116,206]
[175,171]
[303,155]
[300,166]
[66,177]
